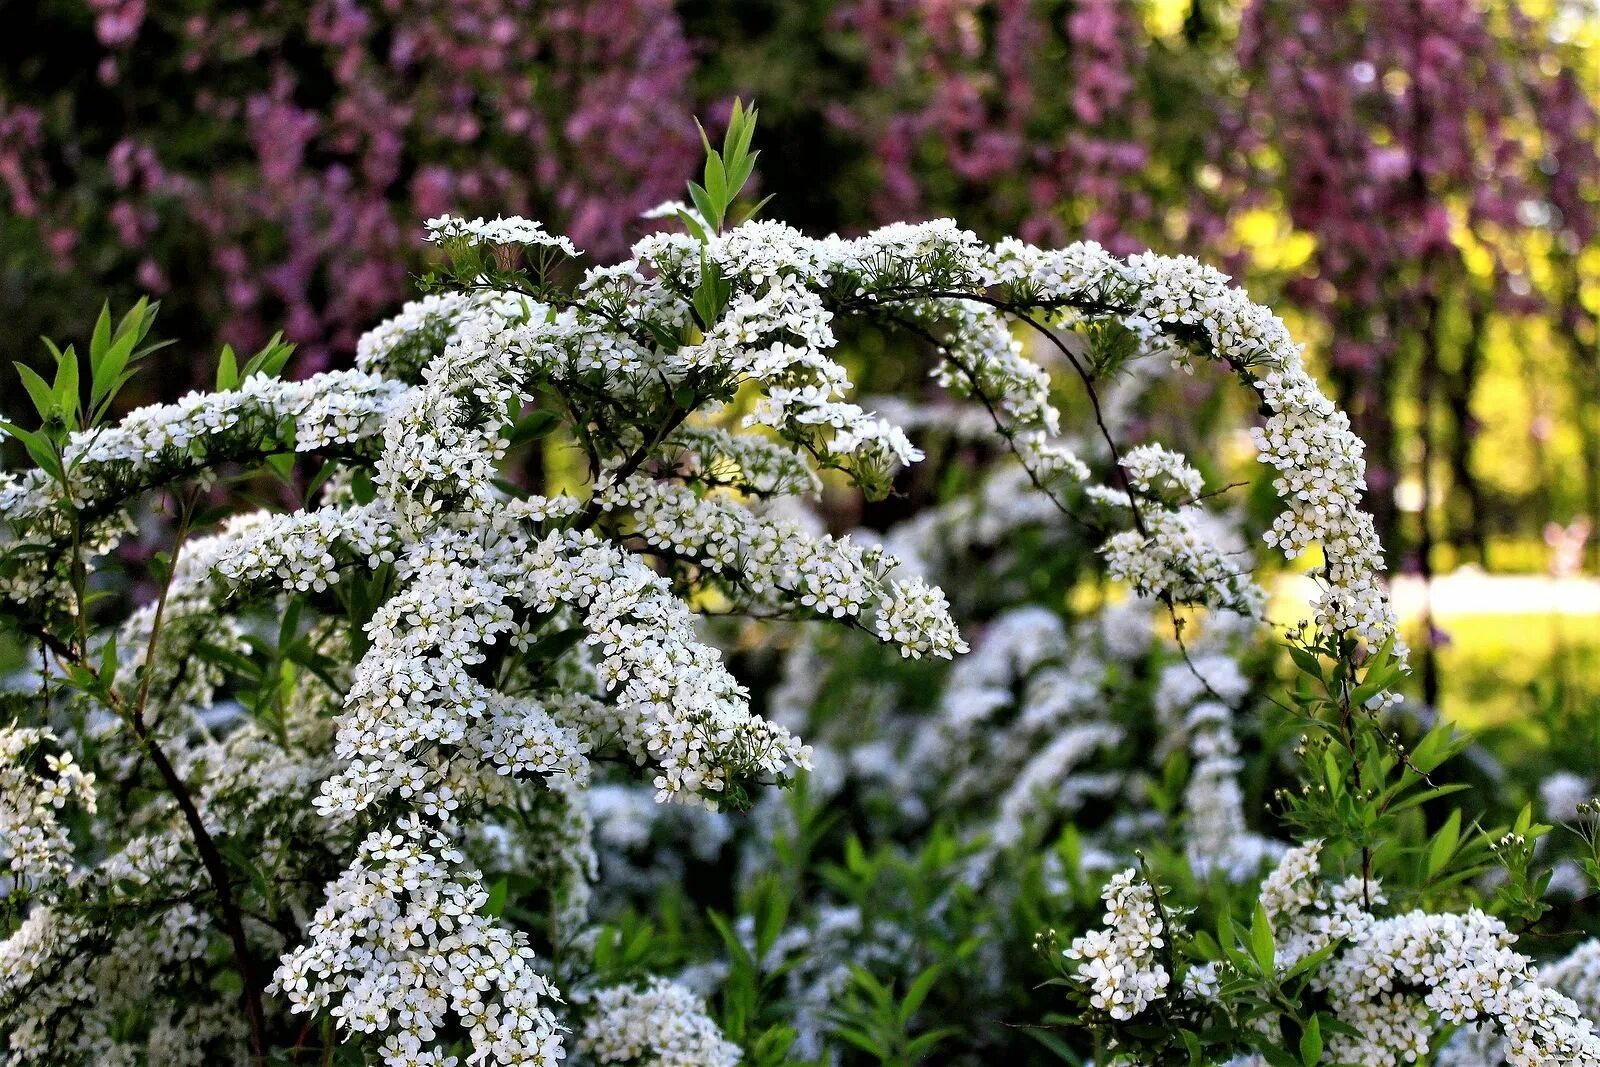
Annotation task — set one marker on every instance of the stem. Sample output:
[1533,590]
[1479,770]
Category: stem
[217,872]
[210,857]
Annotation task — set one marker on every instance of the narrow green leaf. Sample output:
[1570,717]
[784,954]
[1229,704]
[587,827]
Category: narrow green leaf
[66,388]
[100,341]
[1444,843]
[1311,1043]
[38,447]
[1261,943]
[227,370]
[918,992]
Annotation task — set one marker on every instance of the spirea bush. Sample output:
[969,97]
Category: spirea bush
[538,717]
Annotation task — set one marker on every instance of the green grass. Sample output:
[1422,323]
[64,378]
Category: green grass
[1503,670]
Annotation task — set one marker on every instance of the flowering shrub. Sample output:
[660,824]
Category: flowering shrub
[469,758]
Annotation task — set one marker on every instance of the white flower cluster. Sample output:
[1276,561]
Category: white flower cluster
[402,940]
[1400,978]
[1176,559]
[662,1024]
[1119,963]
[35,786]
[1466,971]
[1157,471]
[158,442]
[741,462]
[1194,702]
[73,995]
[523,637]
[500,231]
[776,562]
[156,445]
[1576,975]
[402,346]
[775,328]
[1321,473]
[1307,916]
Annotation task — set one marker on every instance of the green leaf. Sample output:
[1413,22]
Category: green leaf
[270,361]
[756,209]
[716,181]
[1311,1043]
[1312,960]
[66,387]
[109,370]
[108,662]
[39,449]
[922,1044]
[704,204]
[362,487]
[553,645]
[227,370]
[1261,944]
[861,1040]
[282,464]
[534,425]
[1444,844]
[39,391]
[100,341]
[1307,662]
[1062,1050]
[690,223]
[499,889]
[918,992]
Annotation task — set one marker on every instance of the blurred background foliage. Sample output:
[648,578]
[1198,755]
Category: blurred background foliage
[1414,183]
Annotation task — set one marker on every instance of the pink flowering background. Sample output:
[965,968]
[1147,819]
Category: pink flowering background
[1414,182]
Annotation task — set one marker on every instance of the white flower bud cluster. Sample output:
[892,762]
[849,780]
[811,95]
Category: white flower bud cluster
[35,787]
[1119,963]
[662,1024]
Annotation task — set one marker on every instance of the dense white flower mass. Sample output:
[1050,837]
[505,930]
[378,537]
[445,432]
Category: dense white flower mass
[35,785]
[661,1025]
[487,634]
